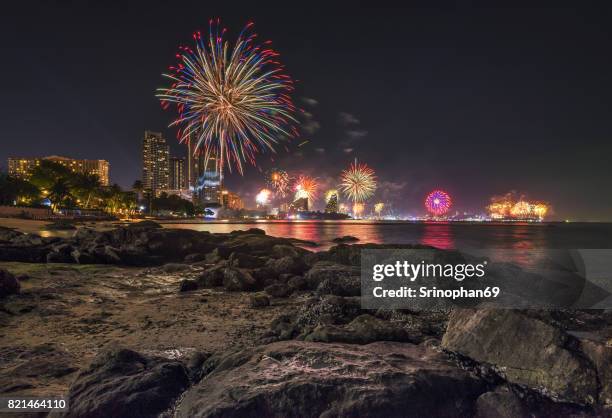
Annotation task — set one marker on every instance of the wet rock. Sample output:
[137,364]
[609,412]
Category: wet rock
[362,330]
[297,283]
[9,285]
[285,379]
[194,258]
[242,260]
[345,239]
[280,251]
[237,280]
[326,270]
[340,286]
[188,285]
[287,265]
[212,277]
[500,403]
[259,300]
[278,290]
[61,253]
[600,354]
[123,383]
[545,361]
[175,267]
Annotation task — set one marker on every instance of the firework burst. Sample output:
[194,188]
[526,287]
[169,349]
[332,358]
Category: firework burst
[438,202]
[306,187]
[378,208]
[358,182]
[263,197]
[279,180]
[234,101]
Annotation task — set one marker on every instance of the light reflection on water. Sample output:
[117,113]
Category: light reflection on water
[438,234]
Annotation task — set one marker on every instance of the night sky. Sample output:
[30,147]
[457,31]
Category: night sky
[475,100]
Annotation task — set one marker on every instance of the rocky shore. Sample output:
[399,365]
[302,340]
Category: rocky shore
[144,321]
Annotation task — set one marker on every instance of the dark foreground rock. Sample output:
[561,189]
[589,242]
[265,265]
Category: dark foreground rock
[123,383]
[9,285]
[525,351]
[302,379]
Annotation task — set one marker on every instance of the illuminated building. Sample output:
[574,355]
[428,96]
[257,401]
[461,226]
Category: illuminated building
[178,174]
[231,200]
[299,205]
[208,185]
[155,162]
[332,203]
[22,167]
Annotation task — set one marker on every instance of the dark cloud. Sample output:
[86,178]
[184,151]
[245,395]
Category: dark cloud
[357,133]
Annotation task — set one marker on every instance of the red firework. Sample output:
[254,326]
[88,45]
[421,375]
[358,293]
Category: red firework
[438,202]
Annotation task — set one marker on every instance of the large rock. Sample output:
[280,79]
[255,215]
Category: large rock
[362,330]
[9,285]
[287,265]
[330,271]
[123,383]
[525,351]
[500,403]
[236,280]
[600,355]
[304,379]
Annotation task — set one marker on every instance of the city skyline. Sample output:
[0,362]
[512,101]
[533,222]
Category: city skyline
[514,110]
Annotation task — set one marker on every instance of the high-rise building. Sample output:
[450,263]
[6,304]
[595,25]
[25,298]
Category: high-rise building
[231,200]
[332,203]
[155,162]
[22,167]
[208,186]
[178,174]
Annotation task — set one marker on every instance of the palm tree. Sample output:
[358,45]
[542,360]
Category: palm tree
[59,193]
[86,186]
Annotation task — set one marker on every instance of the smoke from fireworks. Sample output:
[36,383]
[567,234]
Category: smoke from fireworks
[306,187]
[233,101]
[358,182]
[513,206]
[263,197]
[438,202]
[279,181]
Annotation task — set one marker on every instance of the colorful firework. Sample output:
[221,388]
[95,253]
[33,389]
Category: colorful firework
[358,182]
[234,101]
[515,206]
[378,208]
[438,202]
[358,209]
[306,187]
[279,181]
[263,197]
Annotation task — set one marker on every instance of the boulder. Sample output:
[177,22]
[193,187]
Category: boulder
[194,257]
[345,239]
[188,285]
[259,300]
[600,354]
[362,330]
[500,403]
[306,379]
[287,265]
[247,261]
[237,280]
[278,290]
[123,383]
[525,351]
[297,283]
[326,270]
[9,285]
[175,267]
[212,277]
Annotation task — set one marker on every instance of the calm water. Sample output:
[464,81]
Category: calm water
[441,235]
